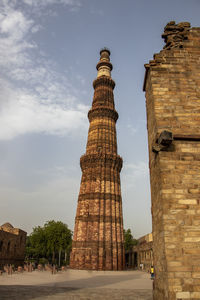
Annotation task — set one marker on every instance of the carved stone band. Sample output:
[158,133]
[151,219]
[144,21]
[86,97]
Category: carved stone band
[104,80]
[105,159]
[93,244]
[103,112]
[97,218]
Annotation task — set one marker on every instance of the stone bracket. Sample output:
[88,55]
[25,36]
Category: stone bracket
[163,142]
[166,137]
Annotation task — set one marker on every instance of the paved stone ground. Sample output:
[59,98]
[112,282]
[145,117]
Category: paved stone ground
[75,285]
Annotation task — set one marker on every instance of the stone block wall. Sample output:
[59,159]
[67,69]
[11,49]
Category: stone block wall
[172,85]
[142,254]
[12,245]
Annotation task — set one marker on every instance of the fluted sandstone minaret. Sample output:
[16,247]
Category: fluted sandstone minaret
[98,242]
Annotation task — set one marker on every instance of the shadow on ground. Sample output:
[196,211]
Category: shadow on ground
[101,281]
[24,292]
[115,287]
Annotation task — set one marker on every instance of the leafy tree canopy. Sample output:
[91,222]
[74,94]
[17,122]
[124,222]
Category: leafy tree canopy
[129,241]
[58,235]
[48,241]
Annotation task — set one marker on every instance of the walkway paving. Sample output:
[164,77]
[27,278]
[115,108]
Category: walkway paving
[75,285]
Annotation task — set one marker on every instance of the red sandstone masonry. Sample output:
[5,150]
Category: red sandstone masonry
[98,242]
[172,85]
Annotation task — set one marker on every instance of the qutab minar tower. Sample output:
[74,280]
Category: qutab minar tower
[98,242]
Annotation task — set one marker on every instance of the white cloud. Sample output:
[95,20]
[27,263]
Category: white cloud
[139,169]
[45,5]
[13,43]
[50,2]
[36,28]
[132,129]
[34,98]
[134,173]
[15,24]
[22,113]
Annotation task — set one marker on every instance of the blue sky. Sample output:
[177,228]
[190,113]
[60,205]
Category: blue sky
[48,55]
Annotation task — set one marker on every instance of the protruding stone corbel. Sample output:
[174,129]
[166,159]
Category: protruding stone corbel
[163,142]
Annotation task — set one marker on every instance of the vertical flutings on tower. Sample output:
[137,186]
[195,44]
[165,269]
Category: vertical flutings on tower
[98,242]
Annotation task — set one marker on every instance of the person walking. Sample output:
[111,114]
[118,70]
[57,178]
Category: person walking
[152,272]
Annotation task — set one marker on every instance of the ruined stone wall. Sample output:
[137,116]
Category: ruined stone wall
[12,245]
[172,85]
[142,253]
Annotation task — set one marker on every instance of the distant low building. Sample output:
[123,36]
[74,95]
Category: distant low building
[12,245]
[141,255]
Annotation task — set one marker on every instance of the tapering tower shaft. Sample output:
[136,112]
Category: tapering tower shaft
[98,241]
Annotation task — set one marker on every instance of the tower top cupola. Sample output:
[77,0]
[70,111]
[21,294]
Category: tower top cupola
[104,66]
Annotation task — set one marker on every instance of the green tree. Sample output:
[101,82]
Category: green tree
[36,244]
[44,243]
[129,241]
[58,238]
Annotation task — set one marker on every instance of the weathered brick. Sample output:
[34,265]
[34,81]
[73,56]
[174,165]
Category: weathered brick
[12,245]
[172,102]
[195,295]
[98,241]
[183,295]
